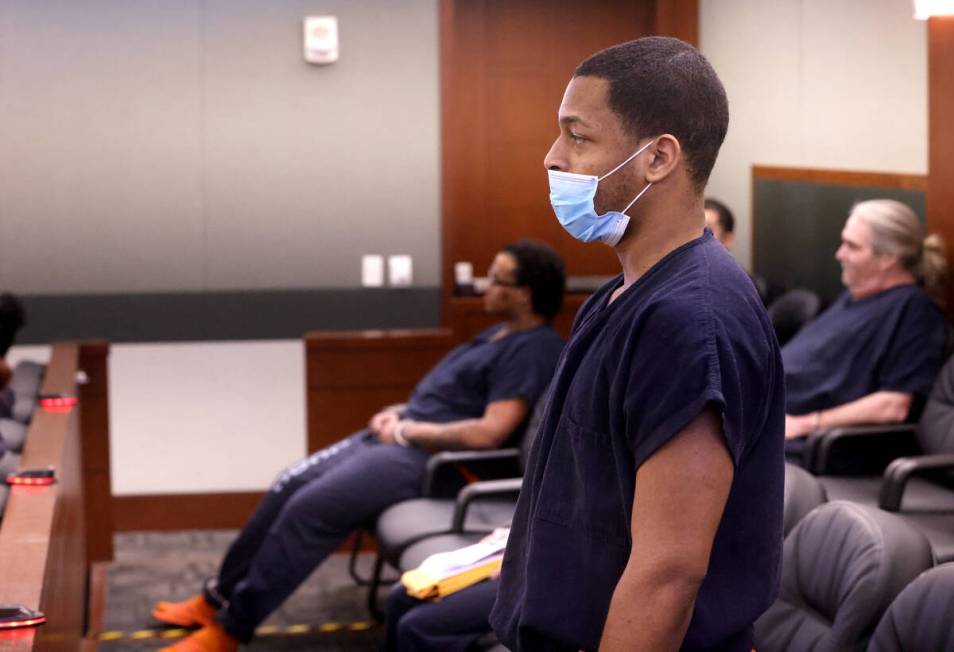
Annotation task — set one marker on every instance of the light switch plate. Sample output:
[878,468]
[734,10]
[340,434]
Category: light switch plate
[372,270]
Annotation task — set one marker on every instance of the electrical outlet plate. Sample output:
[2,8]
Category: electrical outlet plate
[400,271]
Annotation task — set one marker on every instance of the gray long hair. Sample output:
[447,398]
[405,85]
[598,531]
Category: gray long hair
[896,230]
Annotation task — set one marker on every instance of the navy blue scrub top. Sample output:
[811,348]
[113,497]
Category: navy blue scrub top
[890,341]
[484,370]
[691,333]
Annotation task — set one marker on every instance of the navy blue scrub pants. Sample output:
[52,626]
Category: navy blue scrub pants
[453,624]
[306,514]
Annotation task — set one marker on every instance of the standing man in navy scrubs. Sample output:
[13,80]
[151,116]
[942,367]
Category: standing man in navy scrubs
[651,513]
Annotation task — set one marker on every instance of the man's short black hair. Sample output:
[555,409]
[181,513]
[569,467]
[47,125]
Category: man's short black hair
[12,319]
[726,218]
[661,85]
[541,269]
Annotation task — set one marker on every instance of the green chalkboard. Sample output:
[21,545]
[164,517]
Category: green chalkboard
[797,229]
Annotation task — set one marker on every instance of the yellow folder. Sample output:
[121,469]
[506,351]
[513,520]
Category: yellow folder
[444,573]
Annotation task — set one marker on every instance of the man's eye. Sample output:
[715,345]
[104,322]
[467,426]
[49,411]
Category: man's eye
[576,138]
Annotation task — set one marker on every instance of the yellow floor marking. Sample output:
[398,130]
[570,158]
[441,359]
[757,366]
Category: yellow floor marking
[143,633]
[174,633]
[329,627]
[266,630]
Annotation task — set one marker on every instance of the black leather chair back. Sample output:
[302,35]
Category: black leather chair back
[842,565]
[791,311]
[803,493]
[936,427]
[922,617]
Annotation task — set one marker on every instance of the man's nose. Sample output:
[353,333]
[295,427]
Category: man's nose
[554,158]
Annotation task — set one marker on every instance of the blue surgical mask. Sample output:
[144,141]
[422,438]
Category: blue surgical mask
[571,196]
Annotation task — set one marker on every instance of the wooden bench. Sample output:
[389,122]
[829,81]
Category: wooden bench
[51,534]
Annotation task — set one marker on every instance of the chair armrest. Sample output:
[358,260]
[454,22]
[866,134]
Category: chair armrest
[444,458]
[479,491]
[859,450]
[898,473]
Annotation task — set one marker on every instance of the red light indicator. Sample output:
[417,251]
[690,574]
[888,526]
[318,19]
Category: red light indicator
[30,622]
[57,403]
[12,479]
[32,477]
[15,616]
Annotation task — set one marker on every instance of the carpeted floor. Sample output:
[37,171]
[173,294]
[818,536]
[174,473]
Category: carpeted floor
[326,613]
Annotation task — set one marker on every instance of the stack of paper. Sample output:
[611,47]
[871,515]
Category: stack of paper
[447,572]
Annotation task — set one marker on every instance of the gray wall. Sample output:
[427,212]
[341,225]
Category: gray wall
[182,146]
[815,84]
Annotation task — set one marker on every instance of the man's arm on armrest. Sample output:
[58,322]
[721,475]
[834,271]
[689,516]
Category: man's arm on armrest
[490,431]
[681,492]
[879,407]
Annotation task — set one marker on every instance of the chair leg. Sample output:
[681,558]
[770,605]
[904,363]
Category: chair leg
[373,586]
[353,562]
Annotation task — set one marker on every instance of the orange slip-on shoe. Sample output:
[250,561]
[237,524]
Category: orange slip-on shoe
[210,638]
[188,613]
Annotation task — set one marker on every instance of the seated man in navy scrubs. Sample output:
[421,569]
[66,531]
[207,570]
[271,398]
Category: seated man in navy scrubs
[452,624]
[873,355]
[651,511]
[475,398]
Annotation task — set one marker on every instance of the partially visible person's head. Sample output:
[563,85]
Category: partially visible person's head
[661,85]
[526,274]
[12,319]
[883,239]
[721,221]
[646,114]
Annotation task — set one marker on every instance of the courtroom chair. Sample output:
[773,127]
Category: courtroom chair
[9,462]
[25,382]
[790,312]
[842,565]
[27,376]
[477,508]
[921,617]
[918,485]
[803,493]
[13,433]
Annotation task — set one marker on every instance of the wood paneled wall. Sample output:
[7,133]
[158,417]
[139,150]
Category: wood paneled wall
[504,67]
[940,192]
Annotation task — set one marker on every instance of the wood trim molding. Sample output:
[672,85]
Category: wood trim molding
[204,511]
[94,424]
[164,512]
[842,177]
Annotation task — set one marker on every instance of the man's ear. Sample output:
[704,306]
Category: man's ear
[527,295]
[887,261]
[667,154]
